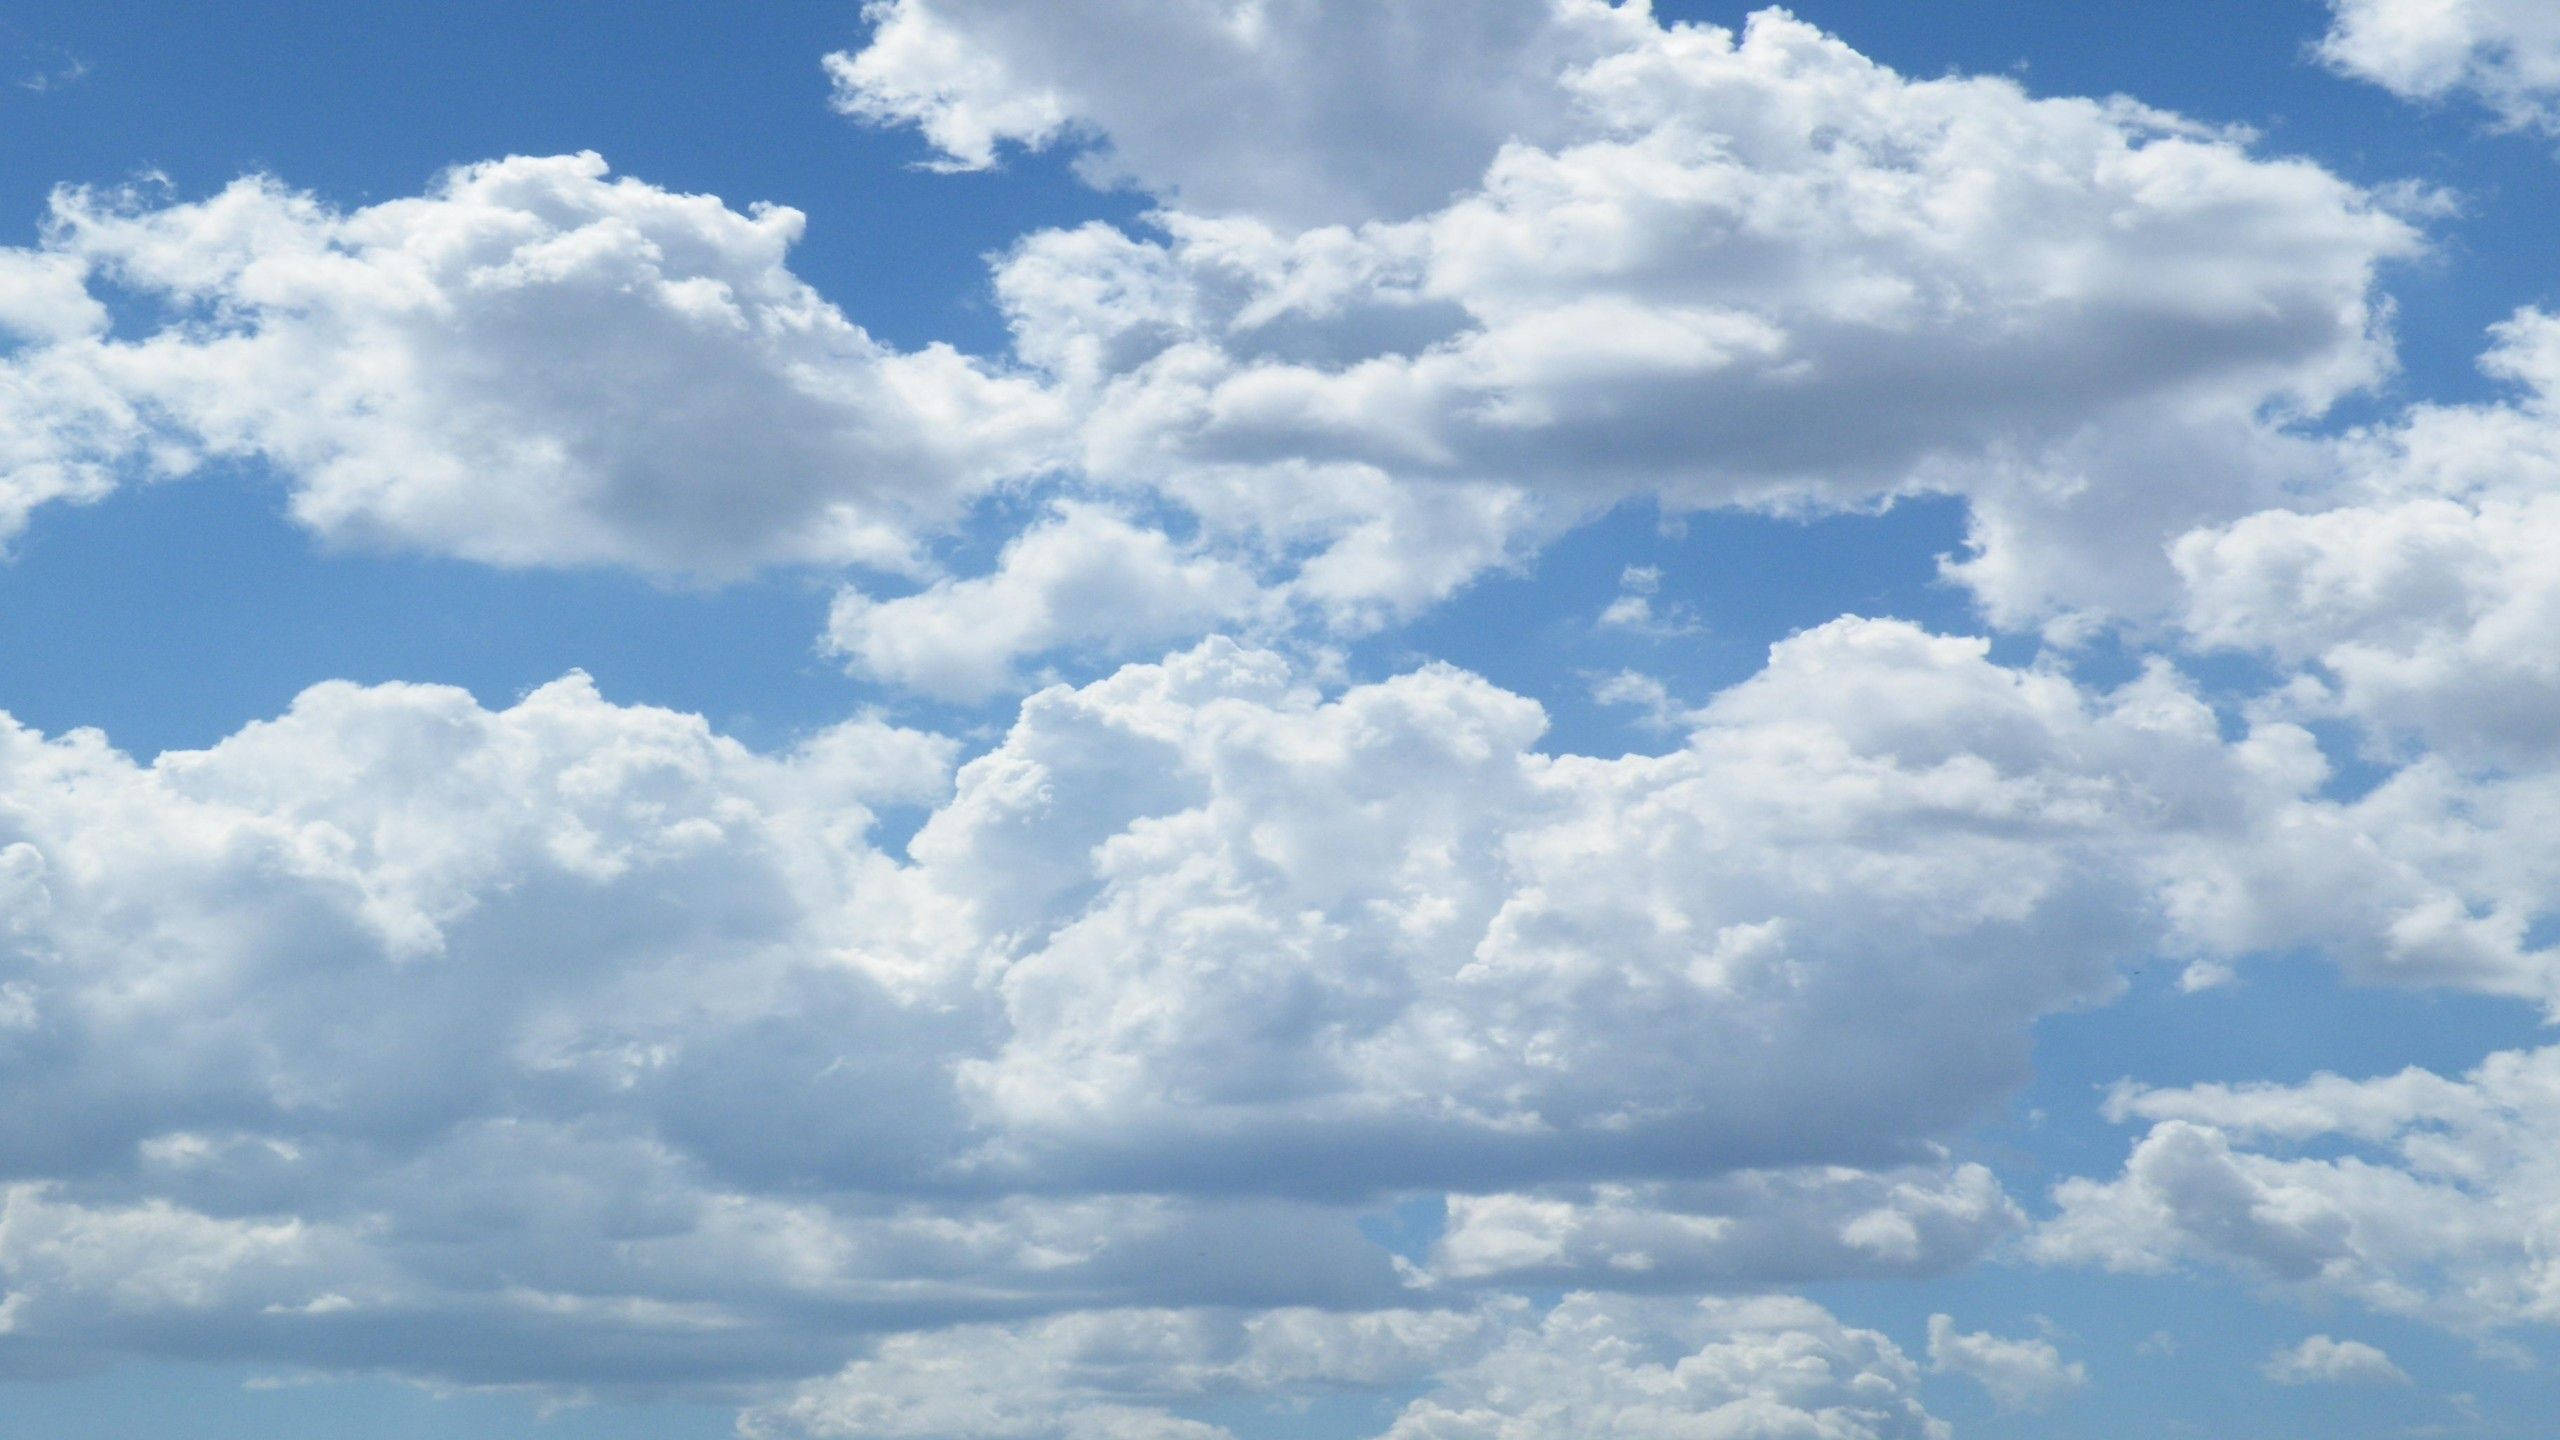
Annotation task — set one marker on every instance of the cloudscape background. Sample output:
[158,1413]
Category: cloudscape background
[1280,720]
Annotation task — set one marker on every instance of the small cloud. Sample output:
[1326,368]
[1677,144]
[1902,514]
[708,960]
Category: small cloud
[2322,1360]
[1635,610]
[1634,690]
[2020,1374]
[62,72]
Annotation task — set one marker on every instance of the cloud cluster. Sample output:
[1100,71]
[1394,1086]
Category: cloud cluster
[1760,270]
[2413,1194]
[1592,1365]
[1327,382]
[574,1043]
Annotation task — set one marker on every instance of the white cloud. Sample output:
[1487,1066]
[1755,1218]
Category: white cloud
[1268,108]
[1760,270]
[2426,1196]
[2503,53]
[1756,1227]
[1082,577]
[1667,1371]
[531,364]
[2324,1360]
[1235,913]
[1107,1375]
[2020,1374]
[573,1043]
[2424,597]
[1820,284]
[1593,1365]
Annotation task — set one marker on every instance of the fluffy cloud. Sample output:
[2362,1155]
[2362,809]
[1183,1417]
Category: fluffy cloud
[1106,1375]
[572,1042]
[1269,108]
[1388,920]
[1591,1366]
[1081,578]
[2424,596]
[2426,1196]
[1684,263]
[1758,1227]
[2503,53]
[2325,1360]
[2020,1374]
[533,363]
[1663,1371]
[1760,270]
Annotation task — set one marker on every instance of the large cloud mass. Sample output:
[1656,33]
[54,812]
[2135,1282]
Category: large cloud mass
[574,1042]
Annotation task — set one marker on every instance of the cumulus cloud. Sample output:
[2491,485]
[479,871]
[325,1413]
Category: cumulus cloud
[2422,597]
[2503,53]
[534,363]
[1618,259]
[1273,109]
[2423,1195]
[2325,1360]
[1759,270]
[1110,1374]
[2020,1374]
[1082,577]
[574,1043]
[1663,1371]
[1593,1365]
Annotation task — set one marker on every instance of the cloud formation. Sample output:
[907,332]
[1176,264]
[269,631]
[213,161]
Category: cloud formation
[574,1043]
[2505,54]
[2423,1195]
[533,363]
[2325,1360]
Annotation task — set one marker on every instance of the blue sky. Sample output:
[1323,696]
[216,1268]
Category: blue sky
[1421,721]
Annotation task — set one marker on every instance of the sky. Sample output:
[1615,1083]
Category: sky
[1279,720]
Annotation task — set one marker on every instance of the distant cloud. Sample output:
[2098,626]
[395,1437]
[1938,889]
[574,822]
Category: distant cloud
[2020,1374]
[2321,1360]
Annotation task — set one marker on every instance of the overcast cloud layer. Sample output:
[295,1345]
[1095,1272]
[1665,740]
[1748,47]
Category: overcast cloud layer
[1080,1073]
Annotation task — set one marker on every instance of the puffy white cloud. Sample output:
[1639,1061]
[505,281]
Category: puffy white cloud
[1273,108]
[2020,1374]
[1593,1365]
[2503,53]
[1707,267]
[2424,596]
[572,1042]
[1238,915]
[1106,1375]
[1760,270]
[1635,1370]
[2326,1360]
[532,363]
[2423,1195]
[1082,577]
